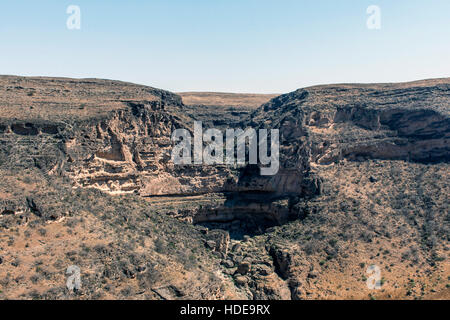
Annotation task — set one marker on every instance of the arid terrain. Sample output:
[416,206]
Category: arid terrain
[86,179]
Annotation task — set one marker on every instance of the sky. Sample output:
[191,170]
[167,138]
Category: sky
[258,46]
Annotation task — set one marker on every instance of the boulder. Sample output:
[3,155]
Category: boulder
[243,268]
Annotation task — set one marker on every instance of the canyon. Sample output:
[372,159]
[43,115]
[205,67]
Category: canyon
[87,180]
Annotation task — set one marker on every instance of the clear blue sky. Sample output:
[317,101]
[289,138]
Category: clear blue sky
[227,45]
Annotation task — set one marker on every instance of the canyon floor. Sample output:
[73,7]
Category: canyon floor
[86,179]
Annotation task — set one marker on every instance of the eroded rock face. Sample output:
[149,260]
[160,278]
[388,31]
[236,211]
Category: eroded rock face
[130,151]
[127,152]
[325,124]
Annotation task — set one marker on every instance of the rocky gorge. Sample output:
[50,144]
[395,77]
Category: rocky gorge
[363,180]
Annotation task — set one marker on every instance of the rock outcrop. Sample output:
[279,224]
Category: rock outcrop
[325,124]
